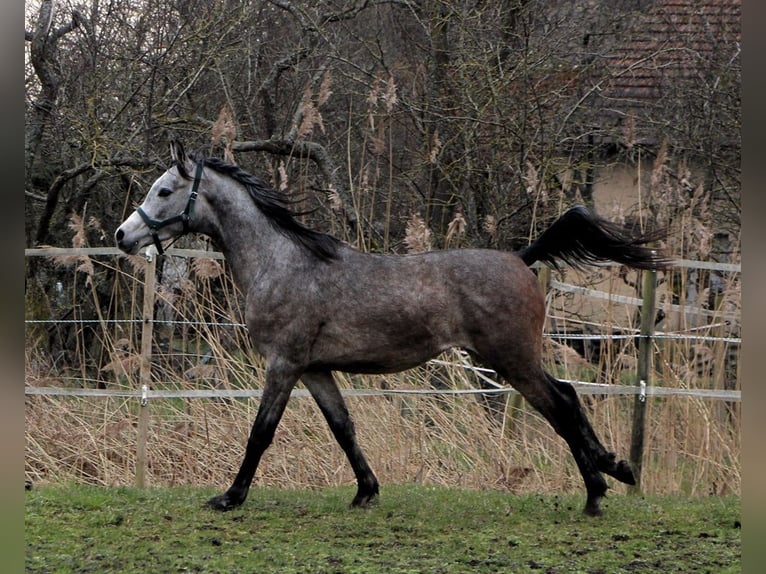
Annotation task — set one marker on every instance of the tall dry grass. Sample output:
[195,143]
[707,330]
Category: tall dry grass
[445,440]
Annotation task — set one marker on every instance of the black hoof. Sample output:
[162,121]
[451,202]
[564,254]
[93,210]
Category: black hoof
[365,498]
[596,493]
[620,470]
[593,508]
[225,501]
[624,473]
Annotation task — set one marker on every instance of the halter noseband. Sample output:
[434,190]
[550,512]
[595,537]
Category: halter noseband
[184,217]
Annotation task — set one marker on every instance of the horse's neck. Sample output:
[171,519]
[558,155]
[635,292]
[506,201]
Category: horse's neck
[251,245]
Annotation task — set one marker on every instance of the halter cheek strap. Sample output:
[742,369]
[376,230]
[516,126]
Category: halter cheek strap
[184,217]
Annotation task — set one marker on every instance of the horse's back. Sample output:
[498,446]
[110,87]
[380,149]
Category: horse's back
[465,290]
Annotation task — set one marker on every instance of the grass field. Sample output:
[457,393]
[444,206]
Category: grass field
[412,529]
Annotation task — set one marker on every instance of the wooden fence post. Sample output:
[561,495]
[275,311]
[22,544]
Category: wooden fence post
[645,345]
[146,363]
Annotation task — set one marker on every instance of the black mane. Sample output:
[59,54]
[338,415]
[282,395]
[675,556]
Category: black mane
[275,206]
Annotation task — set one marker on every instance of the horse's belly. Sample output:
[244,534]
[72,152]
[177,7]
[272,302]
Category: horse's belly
[378,353]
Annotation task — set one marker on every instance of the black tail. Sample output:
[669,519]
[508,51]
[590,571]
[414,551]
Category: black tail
[580,237]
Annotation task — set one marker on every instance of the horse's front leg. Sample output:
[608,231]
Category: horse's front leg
[322,387]
[276,391]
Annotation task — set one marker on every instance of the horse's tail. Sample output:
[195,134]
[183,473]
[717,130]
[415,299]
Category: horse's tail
[579,237]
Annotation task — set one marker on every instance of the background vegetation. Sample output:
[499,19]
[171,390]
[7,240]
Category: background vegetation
[400,125]
[377,110]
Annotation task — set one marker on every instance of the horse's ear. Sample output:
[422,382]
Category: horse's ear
[177,153]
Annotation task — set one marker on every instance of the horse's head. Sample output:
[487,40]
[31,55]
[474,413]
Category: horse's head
[168,209]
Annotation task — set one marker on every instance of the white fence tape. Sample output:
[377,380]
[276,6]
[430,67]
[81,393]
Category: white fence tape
[557,336]
[612,297]
[582,388]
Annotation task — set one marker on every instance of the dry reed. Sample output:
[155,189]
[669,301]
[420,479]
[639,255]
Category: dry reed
[445,440]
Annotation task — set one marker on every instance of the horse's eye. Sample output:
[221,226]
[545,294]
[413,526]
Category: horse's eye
[164,192]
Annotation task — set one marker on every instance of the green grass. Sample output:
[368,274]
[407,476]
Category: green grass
[412,529]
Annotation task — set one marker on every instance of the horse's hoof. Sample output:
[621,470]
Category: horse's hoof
[620,470]
[223,502]
[593,508]
[363,499]
[624,473]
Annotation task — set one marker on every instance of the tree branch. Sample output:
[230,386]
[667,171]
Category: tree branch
[307,150]
[55,188]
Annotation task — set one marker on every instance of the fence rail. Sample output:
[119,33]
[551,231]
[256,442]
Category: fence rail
[181,252]
[583,388]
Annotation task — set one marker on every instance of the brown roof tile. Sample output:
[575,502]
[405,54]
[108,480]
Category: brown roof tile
[670,42]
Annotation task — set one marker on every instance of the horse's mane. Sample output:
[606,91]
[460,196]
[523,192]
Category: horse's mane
[276,207]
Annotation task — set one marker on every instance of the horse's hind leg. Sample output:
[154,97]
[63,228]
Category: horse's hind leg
[325,392]
[557,401]
[606,461]
[563,411]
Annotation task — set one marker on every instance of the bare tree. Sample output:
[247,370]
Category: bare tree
[483,118]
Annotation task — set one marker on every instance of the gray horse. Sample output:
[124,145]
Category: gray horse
[316,305]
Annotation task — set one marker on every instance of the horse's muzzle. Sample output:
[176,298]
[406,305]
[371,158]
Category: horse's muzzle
[131,248]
